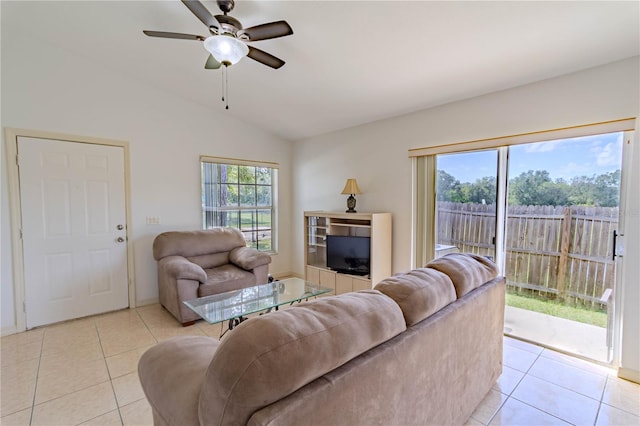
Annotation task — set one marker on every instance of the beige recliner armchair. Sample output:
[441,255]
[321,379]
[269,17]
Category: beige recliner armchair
[194,264]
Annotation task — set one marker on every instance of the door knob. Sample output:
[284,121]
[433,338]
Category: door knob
[120,227]
[120,240]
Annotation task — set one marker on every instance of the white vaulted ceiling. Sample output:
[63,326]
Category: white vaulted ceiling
[348,62]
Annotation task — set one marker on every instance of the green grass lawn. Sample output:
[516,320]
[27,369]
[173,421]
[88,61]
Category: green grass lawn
[556,309]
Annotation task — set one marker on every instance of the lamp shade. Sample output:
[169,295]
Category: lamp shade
[351,187]
[226,49]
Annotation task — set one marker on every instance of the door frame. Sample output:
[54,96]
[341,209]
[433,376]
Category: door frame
[15,205]
[618,294]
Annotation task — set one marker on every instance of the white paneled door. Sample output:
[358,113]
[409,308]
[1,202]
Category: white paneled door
[73,229]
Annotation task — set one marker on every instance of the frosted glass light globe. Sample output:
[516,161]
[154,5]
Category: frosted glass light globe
[226,49]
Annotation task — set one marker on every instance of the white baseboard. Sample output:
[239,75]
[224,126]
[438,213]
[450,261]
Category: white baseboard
[288,274]
[147,302]
[7,331]
[629,374]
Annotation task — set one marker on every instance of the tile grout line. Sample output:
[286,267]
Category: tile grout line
[35,386]
[566,388]
[147,327]
[508,395]
[614,406]
[136,369]
[60,396]
[595,421]
[499,408]
[113,389]
[604,388]
[526,373]
[543,411]
[567,366]
[560,386]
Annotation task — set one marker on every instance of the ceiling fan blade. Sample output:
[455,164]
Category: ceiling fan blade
[201,13]
[265,58]
[267,31]
[212,64]
[173,35]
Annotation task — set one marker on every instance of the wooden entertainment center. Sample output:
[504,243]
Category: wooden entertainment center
[319,224]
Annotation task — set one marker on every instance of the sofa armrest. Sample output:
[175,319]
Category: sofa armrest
[248,258]
[171,375]
[180,268]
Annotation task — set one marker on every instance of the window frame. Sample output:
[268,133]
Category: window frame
[254,209]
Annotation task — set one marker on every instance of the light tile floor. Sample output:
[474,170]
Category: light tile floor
[83,372]
[542,387]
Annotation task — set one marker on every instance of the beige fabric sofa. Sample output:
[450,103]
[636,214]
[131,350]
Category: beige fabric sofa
[194,264]
[424,347]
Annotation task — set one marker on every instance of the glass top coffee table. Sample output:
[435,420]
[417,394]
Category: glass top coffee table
[234,305]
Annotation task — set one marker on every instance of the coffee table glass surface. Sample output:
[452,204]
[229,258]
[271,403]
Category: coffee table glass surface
[265,297]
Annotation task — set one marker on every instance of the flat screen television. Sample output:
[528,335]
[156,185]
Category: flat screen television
[348,255]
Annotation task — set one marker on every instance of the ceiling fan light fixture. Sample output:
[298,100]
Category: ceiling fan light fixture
[226,49]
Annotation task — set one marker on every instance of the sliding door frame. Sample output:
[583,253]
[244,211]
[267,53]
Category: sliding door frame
[423,185]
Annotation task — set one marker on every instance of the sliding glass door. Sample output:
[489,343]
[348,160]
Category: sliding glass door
[466,194]
[548,214]
[562,218]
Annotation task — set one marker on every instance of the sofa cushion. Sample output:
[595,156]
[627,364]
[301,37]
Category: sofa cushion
[225,278]
[208,261]
[270,356]
[196,243]
[419,293]
[466,270]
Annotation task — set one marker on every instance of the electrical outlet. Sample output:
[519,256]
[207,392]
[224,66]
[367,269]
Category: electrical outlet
[153,220]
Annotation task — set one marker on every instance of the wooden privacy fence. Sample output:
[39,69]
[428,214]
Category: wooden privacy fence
[554,251]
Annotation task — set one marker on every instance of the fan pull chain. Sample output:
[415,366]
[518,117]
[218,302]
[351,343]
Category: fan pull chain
[222,83]
[226,85]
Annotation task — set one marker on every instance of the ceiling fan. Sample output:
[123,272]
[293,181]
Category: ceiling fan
[227,43]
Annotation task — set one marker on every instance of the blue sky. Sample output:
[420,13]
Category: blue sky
[566,158]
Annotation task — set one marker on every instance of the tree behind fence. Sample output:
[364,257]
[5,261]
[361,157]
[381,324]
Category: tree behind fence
[562,252]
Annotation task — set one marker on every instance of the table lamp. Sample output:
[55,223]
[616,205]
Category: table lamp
[351,188]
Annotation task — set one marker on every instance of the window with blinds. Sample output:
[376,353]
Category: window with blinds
[241,194]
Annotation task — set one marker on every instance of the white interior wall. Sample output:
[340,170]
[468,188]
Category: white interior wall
[48,89]
[376,154]
[45,88]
